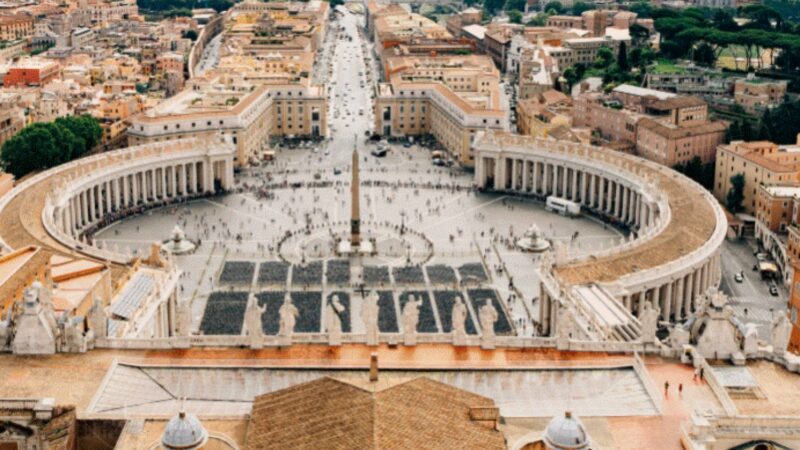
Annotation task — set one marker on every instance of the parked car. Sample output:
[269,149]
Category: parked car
[739,277]
[773,290]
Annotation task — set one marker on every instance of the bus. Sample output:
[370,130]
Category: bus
[562,206]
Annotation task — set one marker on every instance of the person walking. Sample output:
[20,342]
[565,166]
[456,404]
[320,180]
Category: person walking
[666,389]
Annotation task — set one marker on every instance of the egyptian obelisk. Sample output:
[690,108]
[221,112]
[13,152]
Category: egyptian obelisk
[355,210]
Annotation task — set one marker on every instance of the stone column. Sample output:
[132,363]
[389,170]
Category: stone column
[564,182]
[618,201]
[584,186]
[92,212]
[193,177]
[137,178]
[656,298]
[164,190]
[696,287]
[601,197]
[591,190]
[640,306]
[497,182]
[666,310]
[687,300]
[535,188]
[626,300]
[574,185]
[679,296]
[525,174]
[514,174]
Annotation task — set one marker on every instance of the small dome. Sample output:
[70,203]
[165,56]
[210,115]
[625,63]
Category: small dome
[566,433]
[184,432]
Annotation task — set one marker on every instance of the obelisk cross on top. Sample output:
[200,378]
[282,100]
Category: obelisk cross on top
[355,209]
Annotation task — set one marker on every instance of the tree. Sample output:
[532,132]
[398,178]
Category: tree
[622,57]
[190,34]
[643,9]
[604,58]
[555,6]
[515,16]
[733,201]
[519,5]
[704,55]
[639,34]
[43,145]
[492,6]
[580,7]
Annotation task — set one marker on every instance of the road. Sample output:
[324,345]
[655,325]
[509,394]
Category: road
[210,57]
[751,294]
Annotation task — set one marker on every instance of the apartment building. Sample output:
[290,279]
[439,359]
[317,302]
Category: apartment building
[541,114]
[760,162]
[449,97]
[249,115]
[16,26]
[659,126]
[757,94]
[31,72]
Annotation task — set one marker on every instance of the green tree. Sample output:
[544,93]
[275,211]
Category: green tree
[704,55]
[84,127]
[555,6]
[604,57]
[492,6]
[733,201]
[515,16]
[643,9]
[639,35]
[519,5]
[622,57]
[190,34]
[580,7]
[43,145]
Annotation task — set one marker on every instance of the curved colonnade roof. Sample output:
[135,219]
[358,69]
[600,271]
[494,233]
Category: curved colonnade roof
[21,219]
[694,213]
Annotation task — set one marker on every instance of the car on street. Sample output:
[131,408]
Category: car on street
[738,277]
[773,290]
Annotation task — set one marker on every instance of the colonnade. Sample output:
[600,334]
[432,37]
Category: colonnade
[601,192]
[122,190]
[618,195]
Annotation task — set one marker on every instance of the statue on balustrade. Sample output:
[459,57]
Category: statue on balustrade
[333,320]
[410,320]
[649,321]
[369,317]
[252,320]
[488,316]
[458,319]
[288,317]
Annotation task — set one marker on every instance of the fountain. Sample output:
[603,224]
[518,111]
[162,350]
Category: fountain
[532,241]
[178,244]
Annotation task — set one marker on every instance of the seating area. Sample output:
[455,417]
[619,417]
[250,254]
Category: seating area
[387,313]
[408,275]
[270,320]
[308,275]
[239,273]
[374,275]
[435,285]
[441,274]
[273,273]
[224,313]
[309,307]
[338,272]
[473,272]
